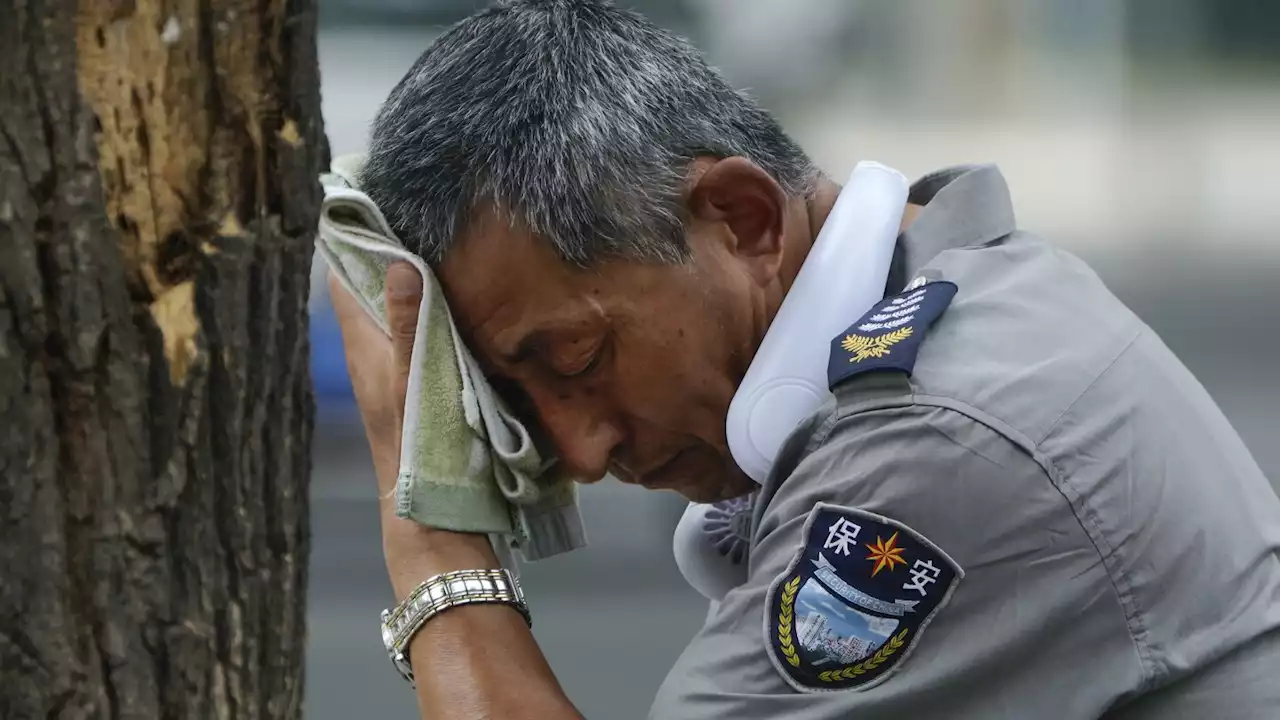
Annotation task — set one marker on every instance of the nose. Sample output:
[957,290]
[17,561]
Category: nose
[584,434]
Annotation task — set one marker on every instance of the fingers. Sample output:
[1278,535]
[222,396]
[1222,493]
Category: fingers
[360,333]
[404,296]
[379,365]
[342,301]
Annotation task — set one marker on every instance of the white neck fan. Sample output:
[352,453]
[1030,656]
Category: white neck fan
[841,278]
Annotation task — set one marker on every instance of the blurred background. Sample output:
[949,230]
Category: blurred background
[1144,135]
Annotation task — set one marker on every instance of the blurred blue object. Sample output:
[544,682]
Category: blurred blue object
[328,362]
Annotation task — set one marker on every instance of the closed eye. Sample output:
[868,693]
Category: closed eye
[589,367]
[584,369]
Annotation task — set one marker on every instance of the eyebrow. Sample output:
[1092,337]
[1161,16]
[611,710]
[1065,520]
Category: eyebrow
[542,335]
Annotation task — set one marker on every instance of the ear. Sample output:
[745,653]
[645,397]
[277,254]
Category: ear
[740,197]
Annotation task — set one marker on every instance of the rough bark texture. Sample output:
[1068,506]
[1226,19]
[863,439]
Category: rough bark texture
[158,194]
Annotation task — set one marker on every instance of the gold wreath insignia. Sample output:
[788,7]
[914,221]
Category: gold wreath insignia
[850,672]
[785,610]
[863,347]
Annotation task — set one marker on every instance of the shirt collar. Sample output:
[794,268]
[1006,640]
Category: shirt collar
[964,206]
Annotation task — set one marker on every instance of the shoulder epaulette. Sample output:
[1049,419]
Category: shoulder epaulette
[888,337]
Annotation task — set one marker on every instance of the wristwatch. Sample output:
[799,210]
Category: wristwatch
[439,593]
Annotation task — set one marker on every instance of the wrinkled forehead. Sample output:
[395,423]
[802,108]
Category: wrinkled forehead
[500,280]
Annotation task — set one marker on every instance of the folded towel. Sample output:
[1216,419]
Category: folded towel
[466,463]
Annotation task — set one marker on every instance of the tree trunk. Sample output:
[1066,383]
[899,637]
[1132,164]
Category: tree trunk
[158,195]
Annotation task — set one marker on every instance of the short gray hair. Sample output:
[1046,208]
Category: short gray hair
[574,117]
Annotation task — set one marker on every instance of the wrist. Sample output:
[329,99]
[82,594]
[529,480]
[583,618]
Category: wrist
[415,552]
[404,632]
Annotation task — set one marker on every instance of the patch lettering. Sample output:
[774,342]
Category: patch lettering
[855,600]
[888,337]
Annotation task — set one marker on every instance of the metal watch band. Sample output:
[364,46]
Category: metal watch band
[439,593]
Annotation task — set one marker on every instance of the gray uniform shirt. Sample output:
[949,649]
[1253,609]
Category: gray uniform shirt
[1098,540]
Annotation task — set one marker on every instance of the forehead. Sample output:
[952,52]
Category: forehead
[501,281]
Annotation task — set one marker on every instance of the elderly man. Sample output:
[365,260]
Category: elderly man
[1036,512]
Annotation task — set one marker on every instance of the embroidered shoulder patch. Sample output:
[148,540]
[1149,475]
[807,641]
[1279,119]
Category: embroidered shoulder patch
[854,602]
[889,335]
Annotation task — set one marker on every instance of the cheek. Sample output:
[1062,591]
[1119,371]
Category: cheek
[676,376]
[677,341]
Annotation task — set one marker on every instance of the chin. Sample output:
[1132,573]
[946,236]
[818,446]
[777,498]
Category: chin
[701,475]
[721,489]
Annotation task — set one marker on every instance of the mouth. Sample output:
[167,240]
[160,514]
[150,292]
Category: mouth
[666,476]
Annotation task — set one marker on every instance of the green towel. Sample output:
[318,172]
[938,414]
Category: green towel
[466,463]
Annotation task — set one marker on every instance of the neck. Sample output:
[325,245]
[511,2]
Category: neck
[807,219]
[813,215]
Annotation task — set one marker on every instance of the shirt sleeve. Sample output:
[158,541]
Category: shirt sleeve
[989,600]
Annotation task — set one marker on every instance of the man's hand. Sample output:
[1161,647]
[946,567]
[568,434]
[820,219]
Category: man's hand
[472,661]
[379,365]
[379,369]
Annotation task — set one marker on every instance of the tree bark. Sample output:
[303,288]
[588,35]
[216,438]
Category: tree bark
[158,195]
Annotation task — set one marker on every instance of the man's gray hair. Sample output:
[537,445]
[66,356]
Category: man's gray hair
[574,117]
